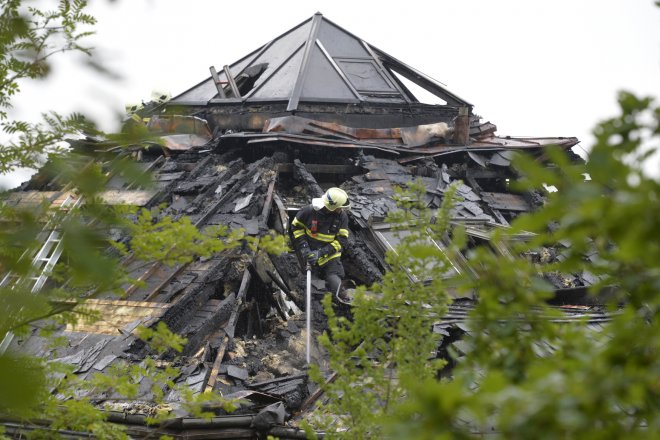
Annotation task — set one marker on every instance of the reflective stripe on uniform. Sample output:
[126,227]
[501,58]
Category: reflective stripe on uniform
[327,238]
[297,222]
[299,226]
[327,258]
[320,237]
[335,244]
[299,229]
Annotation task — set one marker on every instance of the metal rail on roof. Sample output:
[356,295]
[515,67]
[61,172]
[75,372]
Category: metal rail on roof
[304,64]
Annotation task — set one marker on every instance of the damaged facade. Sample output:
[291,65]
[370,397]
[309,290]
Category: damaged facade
[247,147]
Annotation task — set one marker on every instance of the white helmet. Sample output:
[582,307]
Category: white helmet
[335,198]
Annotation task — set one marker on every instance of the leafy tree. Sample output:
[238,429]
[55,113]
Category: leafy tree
[387,346]
[29,37]
[523,376]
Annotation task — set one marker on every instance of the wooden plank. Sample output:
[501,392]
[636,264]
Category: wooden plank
[114,318]
[145,276]
[119,302]
[118,313]
[103,329]
[511,202]
[281,210]
[213,377]
[268,203]
[245,282]
[156,290]
[127,197]
[229,329]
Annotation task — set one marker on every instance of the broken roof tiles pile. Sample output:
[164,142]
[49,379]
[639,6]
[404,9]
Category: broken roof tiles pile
[314,108]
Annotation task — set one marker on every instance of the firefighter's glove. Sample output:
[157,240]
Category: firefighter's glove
[312,257]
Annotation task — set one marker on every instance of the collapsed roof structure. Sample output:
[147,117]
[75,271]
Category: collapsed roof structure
[247,147]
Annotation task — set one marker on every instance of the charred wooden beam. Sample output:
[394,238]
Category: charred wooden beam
[257,385]
[316,394]
[201,221]
[283,225]
[240,182]
[156,290]
[301,174]
[476,188]
[268,203]
[199,168]
[462,127]
[322,168]
[232,169]
[477,173]
[206,320]
[361,268]
[196,293]
[230,328]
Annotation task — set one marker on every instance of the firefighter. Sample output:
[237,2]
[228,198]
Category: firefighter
[320,233]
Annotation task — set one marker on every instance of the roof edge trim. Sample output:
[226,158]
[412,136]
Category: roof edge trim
[304,64]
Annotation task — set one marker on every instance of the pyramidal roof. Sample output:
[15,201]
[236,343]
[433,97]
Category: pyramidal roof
[316,61]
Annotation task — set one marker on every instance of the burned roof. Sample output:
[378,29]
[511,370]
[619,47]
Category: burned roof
[319,65]
[316,61]
[252,168]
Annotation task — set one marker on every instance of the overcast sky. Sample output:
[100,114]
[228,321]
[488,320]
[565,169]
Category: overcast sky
[533,68]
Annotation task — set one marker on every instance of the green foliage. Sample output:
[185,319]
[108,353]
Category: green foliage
[26,387]
[199,405]
[162,339]
[272,243]
[613,213]
[175,241]
[71,406]
[31,388]
[79,415]
[387,345]
[591,384]
[523,375]
[29,37]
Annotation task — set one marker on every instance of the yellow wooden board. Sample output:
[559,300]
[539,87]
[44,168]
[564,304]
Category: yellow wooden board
[116,316]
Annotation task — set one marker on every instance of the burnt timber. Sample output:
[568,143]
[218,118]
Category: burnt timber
[246,147]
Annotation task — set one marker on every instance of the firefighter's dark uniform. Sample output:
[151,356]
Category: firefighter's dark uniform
[327,232]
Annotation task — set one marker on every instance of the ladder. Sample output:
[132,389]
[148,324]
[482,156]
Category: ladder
[43,261]
[51,249]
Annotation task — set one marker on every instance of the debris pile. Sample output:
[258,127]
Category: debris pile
[246,148]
